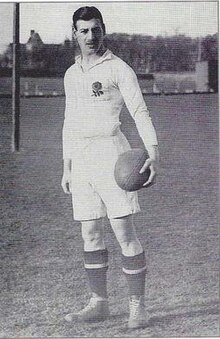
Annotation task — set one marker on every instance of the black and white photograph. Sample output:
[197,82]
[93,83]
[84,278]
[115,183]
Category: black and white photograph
[109,169]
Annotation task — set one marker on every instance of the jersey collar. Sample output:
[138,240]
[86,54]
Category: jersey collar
[106,56]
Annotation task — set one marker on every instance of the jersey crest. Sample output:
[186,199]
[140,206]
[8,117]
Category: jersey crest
[97,89]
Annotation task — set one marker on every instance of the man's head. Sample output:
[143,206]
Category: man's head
[89,29]
[87,13]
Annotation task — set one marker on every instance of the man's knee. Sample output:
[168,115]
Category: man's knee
[124,229]
[125,238]
[92,235]
[126,235]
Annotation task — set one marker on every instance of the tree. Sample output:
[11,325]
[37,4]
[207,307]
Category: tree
[210,47]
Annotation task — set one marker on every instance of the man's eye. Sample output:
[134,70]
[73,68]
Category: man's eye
[97,30]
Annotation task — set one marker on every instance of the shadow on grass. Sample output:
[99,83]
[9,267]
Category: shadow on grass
[116,322]
[118,316]
[155,320]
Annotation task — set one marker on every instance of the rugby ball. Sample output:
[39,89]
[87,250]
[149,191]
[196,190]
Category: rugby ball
[127,170]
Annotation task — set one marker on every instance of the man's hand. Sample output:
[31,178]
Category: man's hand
[66,184]
[66,179]
[153,164]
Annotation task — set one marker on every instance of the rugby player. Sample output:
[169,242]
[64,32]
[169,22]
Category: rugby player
[96,88]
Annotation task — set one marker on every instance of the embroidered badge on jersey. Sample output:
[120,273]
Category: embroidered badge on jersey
[97,89]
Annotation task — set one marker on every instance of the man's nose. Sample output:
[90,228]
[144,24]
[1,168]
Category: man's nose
[91,35]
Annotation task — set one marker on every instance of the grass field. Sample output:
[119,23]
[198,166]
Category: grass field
[42,276]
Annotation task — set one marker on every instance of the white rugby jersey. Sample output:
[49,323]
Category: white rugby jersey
[94,99]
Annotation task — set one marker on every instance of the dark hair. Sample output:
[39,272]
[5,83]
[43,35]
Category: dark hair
[87,13]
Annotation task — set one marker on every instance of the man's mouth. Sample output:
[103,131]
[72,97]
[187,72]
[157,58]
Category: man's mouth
[91,44]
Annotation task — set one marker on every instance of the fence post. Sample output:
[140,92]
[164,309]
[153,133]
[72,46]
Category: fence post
[16,81]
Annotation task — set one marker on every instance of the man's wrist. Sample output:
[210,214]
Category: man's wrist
[153,152]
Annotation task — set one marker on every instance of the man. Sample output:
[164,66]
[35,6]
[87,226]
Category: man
[96,87]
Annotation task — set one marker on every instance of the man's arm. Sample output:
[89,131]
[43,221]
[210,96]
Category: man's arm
[131,92]
[66,139]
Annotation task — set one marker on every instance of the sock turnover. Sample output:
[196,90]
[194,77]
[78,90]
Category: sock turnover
[96,266]
[134,269]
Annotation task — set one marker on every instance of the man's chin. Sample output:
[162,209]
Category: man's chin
[92,49]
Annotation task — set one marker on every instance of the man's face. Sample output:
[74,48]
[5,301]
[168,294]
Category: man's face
[89,35]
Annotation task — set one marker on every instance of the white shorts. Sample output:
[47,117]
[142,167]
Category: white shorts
[95,192]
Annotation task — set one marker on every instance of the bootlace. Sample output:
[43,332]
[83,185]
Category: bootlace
[136,305]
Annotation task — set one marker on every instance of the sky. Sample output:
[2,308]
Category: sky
[52,20]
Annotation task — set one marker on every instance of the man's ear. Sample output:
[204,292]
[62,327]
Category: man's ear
[104,30]
[74,32]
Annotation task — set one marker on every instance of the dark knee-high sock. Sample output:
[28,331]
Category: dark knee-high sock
[134,269]
[96,266]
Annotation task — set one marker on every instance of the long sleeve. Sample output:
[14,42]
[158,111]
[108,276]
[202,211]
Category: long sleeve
[67,134]
[133,98]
